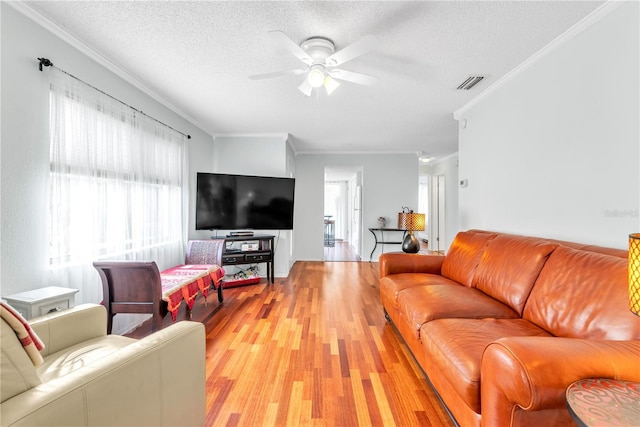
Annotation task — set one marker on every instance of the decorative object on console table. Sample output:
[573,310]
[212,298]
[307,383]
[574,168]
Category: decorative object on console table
[604,402]
[410,221]
[38,302]
[634,273]
[382,222]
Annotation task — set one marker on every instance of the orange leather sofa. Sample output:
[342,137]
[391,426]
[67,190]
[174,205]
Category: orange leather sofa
[503,324]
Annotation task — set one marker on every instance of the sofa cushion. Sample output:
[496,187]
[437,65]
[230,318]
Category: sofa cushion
[75,357]
[423,304]
[510,266]
[390,286]
[456,347]
[567,299]
[464,255]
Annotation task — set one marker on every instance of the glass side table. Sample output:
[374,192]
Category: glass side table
[604,402]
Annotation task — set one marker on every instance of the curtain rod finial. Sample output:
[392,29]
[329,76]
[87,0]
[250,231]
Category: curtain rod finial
[45,62]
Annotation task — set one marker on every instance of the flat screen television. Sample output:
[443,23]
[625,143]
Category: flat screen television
[242,202]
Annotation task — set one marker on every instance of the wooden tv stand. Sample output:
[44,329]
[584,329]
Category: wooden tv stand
[233,254]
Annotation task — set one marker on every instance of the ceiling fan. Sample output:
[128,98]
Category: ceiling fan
[319,56]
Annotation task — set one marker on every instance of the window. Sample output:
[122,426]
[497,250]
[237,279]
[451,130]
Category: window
[116,183]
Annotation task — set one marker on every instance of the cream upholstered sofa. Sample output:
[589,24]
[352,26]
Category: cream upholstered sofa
[89,378]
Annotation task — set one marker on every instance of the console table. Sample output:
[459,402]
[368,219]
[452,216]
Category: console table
[254,249]
[382,241]
[604,402]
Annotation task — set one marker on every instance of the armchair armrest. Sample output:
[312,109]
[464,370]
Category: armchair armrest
[65,328]
[157,381]
[541,368]
[399,262]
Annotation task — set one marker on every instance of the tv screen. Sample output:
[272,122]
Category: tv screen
[239,202]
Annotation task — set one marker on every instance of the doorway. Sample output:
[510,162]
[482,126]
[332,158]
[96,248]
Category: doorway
[437,213]
[424,207]
[342,213]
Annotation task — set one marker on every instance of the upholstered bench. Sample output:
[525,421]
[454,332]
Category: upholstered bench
[139,287]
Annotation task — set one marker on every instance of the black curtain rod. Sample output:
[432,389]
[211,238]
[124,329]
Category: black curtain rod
[44,62]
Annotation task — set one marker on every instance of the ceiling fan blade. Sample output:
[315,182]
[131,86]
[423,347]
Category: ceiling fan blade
[305,88]
[353,77]
[291,46]
[362,46]
[276,74]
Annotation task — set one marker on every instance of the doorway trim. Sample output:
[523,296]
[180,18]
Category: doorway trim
[351,177]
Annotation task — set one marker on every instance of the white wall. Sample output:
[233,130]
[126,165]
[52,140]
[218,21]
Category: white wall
[25,143]
[389,181]
[554,150]
[262,155]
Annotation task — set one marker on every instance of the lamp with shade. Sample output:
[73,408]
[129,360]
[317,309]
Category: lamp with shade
[410,221]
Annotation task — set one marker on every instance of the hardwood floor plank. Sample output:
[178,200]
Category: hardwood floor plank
[295,402]
[381,399]
[360,399]
[312,349]
[372,403]
[270,415]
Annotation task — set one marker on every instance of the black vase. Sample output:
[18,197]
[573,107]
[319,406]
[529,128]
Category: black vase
[410,244]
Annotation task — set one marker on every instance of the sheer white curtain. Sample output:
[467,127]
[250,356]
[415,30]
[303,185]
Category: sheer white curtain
[116,188]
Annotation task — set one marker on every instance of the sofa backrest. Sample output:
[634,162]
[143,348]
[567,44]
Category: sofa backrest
[17,373]
[464,255]
[583,294]
[510,266]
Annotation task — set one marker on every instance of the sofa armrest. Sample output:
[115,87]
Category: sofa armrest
[157,381]
[539,369]
[400,262]
[65,328]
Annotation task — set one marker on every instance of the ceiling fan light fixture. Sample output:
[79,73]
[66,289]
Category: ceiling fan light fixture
[316,76]
[330,84]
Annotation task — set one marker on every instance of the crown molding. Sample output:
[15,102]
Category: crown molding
[23,8]
[323,153]
[282,135]
[589,20]
[443,159]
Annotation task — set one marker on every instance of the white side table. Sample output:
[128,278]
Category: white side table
[39,302]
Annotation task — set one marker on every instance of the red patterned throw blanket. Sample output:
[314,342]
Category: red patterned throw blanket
[29,340]
[184,281]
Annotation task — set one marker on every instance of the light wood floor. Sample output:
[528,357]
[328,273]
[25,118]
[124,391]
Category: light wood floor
[341,251]
[312,349]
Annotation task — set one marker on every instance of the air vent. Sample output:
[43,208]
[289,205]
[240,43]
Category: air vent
[470,82]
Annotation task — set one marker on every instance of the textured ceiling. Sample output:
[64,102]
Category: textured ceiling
[198,56]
